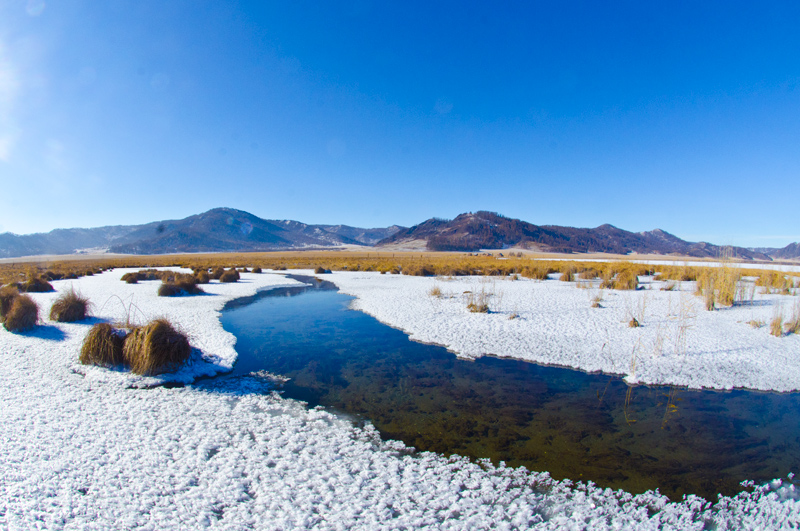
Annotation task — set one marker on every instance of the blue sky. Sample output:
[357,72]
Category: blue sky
[679,115]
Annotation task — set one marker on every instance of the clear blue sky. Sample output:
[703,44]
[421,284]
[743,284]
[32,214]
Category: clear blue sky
[679,115]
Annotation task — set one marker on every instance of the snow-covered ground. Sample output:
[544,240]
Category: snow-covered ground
[678,342]
[92,449]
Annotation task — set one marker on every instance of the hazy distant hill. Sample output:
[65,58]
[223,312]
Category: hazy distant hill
[791,251]
[488,230]
[220,229]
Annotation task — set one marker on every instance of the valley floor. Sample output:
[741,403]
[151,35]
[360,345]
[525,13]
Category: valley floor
[93,448]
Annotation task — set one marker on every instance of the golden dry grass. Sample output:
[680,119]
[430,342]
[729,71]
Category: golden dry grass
[69,307]
[22,315]
[155,348]
[7,295]
[102,346]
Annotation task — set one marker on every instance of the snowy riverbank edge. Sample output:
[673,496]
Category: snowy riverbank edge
[84,450]
[550,322]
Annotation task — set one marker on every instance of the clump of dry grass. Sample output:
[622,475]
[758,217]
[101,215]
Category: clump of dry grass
[319,270]
[478,302]
[102,346]
[202,277]
[596,301]
[435,291]
[7,295]
[755,323]
[256,270]
[776,326]
[567,275]
[179,284]
[35,285]
[231,275]
[793,324]
[719,286]
[22,315]
[217,273]
[634,323]
[626,279]
[155,348]
[69,307]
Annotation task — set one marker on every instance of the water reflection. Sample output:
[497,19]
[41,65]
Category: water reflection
[572,424]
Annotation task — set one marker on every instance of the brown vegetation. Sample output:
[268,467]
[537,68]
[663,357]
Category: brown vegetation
[155,348]
[69,307]
[102,346]
[231,275]
[22,315]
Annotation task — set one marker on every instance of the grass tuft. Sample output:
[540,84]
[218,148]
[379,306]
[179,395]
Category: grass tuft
[231,275]
[634,323]
[179,284]
[69,307]
[155,348]
[776,326]
[7,295]
[102,346]
[22,315]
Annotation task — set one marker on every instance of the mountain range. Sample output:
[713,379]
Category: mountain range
[489,230]
[218,230]
[227,229]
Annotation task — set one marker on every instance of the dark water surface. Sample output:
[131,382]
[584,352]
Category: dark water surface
[572,424]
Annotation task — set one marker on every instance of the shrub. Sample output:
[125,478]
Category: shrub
[230,275]
[202,277]
[23,314]
[130,278]
[155,348]
[256,270]
[36,285]
[179,284]
[69,307]
[217,273]
[102,346]
[633,323]
[7,295]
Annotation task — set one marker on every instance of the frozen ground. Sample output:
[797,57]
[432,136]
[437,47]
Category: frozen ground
[678,342]
[95,450]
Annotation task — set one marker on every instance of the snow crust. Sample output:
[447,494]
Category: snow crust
[80,450]
[678,342]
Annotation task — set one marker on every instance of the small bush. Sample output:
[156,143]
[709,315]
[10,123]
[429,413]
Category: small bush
[130,278]
[478,308]
[435,291]
[256,270]
[7,296]
[179,284]
[155,348]
[633,323]
[69,307]
[102,346]
[230,275]
[202,277]
[217,273]
[23,314]
[36,285]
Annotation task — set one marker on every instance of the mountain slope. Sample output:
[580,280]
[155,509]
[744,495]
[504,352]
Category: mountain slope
[791,251]
[219,229]
[488,230]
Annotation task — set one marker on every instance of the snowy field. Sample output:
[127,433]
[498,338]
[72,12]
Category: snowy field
[97,449]
[678,342]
